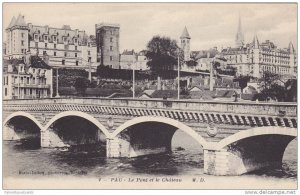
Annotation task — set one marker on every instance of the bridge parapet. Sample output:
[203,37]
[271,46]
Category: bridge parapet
[269,109]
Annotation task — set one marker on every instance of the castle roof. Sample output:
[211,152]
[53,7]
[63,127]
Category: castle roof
[128,52]
[20,21]
[12,22]
[185,34]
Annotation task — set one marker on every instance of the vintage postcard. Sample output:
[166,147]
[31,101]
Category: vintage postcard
[149,96]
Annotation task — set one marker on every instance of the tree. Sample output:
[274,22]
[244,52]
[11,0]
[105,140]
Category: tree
[162,53]
[270,87]
[81,84]
[243,81]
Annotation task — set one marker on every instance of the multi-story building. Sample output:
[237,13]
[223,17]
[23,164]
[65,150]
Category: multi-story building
[128,59]
[29,77]
[66,47]
[107,40]
[255,58]
[142,61]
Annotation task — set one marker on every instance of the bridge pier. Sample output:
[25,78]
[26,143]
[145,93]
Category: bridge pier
[246,155]
[9,133]
[49,139]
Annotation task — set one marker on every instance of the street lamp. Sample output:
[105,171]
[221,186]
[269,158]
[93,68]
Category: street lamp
[178,75]
[57,95]
[133,79]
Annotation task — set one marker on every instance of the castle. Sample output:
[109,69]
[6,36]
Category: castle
[64,47]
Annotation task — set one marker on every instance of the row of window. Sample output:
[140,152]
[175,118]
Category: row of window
[28,80]
[66,47]
[55,39]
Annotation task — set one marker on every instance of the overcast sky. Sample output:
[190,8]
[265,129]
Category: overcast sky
[209,25]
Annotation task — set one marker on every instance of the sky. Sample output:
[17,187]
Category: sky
[209,24]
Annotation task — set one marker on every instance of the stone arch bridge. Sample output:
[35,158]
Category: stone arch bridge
[236,137]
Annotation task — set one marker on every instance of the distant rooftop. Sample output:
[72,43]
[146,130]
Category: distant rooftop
[107,25]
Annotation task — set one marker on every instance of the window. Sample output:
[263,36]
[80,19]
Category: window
[66,54]
[22,35]
[33,80]
[22,43]
[65,39]
[111,58]
[111,39]
[111,48]
[5,91]
[63,62]
[21,80]
[44,52]
[76,63]
[46,45]
[75,40]
[54,38]
[89,59]
[54,46]
[76,55]
[30,91]
[4,80]
[46,38]
[75,47]
[36,37]
[89,52]
[27,80]
[54,54]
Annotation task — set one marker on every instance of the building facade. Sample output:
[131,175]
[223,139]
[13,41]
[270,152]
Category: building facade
[254,59]
[107,41]
[66,47]
[29,77]
[128,59]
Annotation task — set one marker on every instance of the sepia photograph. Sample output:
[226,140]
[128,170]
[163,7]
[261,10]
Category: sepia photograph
[150,96]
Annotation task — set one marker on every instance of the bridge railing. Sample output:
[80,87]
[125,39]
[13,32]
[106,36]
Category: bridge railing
[277,108]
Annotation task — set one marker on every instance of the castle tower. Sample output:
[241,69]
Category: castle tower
[107,40]
[239,37]
[17,37]
[185,44]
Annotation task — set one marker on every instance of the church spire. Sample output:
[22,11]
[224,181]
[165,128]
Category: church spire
[239,38]
[185,34]
[255,43]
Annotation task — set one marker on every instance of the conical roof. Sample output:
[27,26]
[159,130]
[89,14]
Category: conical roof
[20,21]
[12,22]
[185,33]
[291,48]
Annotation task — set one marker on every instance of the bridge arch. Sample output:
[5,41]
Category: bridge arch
[81,115]
[256,132]
[163,120]
[24,114]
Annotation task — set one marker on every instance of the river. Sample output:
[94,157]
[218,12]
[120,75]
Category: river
[22,161]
